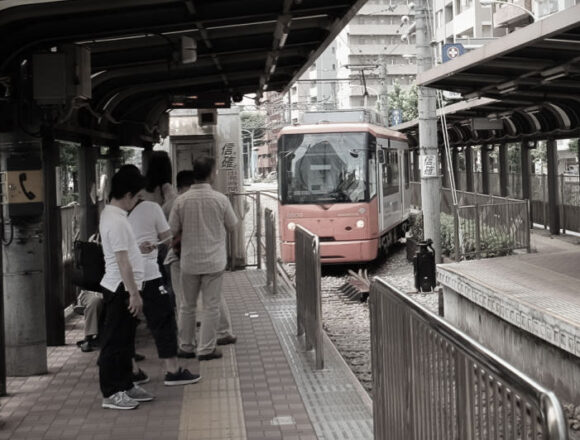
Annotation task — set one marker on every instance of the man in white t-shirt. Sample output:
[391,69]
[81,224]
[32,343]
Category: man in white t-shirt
[151,228]
[121,297]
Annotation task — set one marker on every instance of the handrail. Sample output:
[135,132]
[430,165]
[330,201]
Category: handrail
[270,235]
[308,292]
[430,380]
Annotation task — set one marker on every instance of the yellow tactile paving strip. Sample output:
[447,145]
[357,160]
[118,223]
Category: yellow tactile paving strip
[212,409]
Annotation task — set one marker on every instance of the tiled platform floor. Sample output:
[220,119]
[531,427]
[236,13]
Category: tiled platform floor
[263,388]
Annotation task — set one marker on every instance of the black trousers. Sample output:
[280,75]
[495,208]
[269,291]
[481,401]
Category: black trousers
[117,343]
[160,317]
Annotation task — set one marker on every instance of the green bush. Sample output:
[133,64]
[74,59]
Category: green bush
[495,244]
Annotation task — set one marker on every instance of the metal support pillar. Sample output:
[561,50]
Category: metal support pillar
[484,151]
[525,166]
[553,193]
[430,177]
[469,168]
[22,281]
[88,189]
[503,170]
[455,167]
[53,289]
[444,169]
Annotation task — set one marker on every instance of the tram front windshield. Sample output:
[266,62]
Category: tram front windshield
[323,168]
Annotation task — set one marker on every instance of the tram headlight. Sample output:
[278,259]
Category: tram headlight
[291,226]
[360,224]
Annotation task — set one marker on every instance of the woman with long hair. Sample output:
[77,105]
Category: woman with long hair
[159,188]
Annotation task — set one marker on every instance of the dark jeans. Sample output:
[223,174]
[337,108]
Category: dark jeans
[160,317]
[117,342]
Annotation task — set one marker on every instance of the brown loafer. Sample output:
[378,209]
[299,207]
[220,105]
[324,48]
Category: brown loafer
[226,340]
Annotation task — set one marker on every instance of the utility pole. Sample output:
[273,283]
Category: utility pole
[429,154]
[384,92]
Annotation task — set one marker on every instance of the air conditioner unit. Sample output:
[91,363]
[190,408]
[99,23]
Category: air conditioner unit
[207,116]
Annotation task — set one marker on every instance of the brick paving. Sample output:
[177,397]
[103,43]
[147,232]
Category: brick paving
[252,393]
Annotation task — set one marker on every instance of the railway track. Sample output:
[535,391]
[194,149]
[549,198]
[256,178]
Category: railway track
[347,322]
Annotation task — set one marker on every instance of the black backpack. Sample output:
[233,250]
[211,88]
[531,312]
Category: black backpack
[89,264]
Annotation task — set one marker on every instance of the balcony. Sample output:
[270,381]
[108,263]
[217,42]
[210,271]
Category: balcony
[378,49]
[374,29]
[507,15]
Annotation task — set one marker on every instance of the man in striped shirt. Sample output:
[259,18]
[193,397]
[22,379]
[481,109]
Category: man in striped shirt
[201,217]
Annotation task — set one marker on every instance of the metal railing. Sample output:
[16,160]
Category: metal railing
[246,246]
[70,227]
[492,229]
[270,235]
[308,292]
[483,224]
[431,381]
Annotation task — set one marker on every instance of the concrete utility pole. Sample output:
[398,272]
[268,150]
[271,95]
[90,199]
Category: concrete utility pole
[430,181]
[384,98]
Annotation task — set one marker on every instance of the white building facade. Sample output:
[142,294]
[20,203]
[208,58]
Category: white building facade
[367,56]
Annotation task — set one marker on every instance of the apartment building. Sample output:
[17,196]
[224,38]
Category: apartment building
[476,22]
[361,64]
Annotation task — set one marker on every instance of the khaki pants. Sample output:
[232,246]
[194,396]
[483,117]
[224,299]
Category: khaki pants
[187,289]
[93,304]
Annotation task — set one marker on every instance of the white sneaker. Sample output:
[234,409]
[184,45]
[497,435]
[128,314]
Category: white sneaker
[119,400]
[139,394]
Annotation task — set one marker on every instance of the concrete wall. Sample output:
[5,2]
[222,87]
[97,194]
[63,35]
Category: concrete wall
[552,367]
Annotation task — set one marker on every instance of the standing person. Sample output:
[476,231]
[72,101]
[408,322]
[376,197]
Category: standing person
[159,189]
[186,316]
[200,217]
[159,178]
[90,305]
[150,228]
[121,297]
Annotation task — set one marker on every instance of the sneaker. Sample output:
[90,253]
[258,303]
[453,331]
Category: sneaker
[185,354]
[139,394]
[215,354]
[139,378]
[181,377]
[226,340]
[119,400]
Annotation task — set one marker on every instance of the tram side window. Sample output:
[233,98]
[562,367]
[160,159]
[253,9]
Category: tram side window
[391,173]
[372,170]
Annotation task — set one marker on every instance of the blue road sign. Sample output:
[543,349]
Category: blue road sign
[396,116]
[452,51]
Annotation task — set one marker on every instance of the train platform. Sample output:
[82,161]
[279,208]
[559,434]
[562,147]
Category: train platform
[265,386]
[528,301]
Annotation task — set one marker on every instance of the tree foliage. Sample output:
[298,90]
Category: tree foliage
[405,100]
[254,122]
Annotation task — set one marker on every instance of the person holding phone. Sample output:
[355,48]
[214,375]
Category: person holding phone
[121,287]
[151,228]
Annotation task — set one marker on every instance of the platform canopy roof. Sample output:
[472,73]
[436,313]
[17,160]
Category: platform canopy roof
[242,46]
[524,86]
